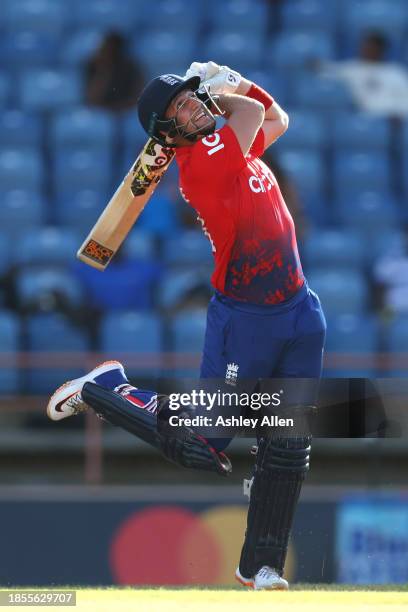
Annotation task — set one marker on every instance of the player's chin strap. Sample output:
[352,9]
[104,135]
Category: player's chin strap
[178,444]
[172,128]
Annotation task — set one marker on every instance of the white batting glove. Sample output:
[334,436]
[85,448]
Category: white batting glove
[219,79]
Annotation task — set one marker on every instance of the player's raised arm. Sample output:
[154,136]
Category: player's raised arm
[244,116]
[223,80]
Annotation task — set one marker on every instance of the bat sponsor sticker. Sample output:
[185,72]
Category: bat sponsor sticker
[97,252]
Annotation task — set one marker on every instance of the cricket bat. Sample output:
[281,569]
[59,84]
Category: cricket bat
[125,206]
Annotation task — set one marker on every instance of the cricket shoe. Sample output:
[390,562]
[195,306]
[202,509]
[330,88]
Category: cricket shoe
[266,579]
[67,399]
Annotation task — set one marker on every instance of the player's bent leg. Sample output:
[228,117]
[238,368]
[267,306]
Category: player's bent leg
[67,400]
[180,444]
[280,468]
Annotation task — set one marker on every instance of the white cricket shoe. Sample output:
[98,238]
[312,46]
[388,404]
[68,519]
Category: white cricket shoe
[266,579]
[67,399]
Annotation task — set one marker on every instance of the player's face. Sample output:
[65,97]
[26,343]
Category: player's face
[191,114]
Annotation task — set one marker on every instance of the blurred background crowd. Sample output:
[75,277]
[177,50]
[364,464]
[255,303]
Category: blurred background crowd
[70,75]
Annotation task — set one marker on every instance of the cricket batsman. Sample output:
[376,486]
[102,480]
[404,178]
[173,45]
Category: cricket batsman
[263,320]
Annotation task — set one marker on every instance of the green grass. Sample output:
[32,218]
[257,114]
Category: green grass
[304,598]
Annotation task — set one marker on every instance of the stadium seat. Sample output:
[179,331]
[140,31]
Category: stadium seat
[367,211]
[133,334]
[390,18]
[132,135]
[360,132]
[37,284]
[79,209]
[164,51]
[82,168]
[178,16]
[28,48]
[340,291]
[308,14]
[108,15]
[189,247]
[49,89]
[272,81]
[177,285]
[358,169]
[83,127]
[77,48]
[53,333]
[335,248]
[21,210]
[397,335]
[388,242]
[10,344]
[37,15]
[235,49]
[246,16]
[306,130]
[160,216]
[5,90]
[49,245]
[139,246]
[298,49]
[350,335]
[21,167]
[187,331]
[6,258]
[20,129]
[317,93]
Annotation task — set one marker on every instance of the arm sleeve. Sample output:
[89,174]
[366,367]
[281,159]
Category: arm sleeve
[216,160]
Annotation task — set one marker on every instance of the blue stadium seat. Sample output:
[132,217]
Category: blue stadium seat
[177,16]
[164,52]
[368,211]
[10,344]
[245,16]
[79,209]
[188,329]
[390,18]
[139,246]
[49,89]
[306,130]
[83,127]
[41,15]
[28,48]
[235,49]
[40,283]
[298,49]
[108,15]
[20,129]
[49,245]
[20,210]
[388,242]
[272,81]
[360,132]
[340,291]
[82,168]
[5,90]
[53,333]
[352,334]
[77,48]
[308,14]
[6,258]
[189,247]
[319,93]
[178,284]
[131,332]
[133,136]
[308,172]
[160,215]
[397,335]
[359,169]
[335,248]
[21,167]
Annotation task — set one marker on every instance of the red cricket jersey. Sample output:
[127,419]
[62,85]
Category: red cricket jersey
[244,215]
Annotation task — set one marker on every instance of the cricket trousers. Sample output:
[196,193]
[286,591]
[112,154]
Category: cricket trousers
[249,341]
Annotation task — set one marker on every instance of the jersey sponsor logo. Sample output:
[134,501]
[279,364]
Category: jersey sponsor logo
[214,142]
[260,184]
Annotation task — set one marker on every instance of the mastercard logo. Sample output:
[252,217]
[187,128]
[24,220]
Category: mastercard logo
[172,545]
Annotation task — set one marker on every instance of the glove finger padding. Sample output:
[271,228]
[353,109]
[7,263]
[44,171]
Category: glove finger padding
[204,70]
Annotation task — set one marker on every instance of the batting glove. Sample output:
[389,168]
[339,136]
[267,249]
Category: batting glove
[219,79]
